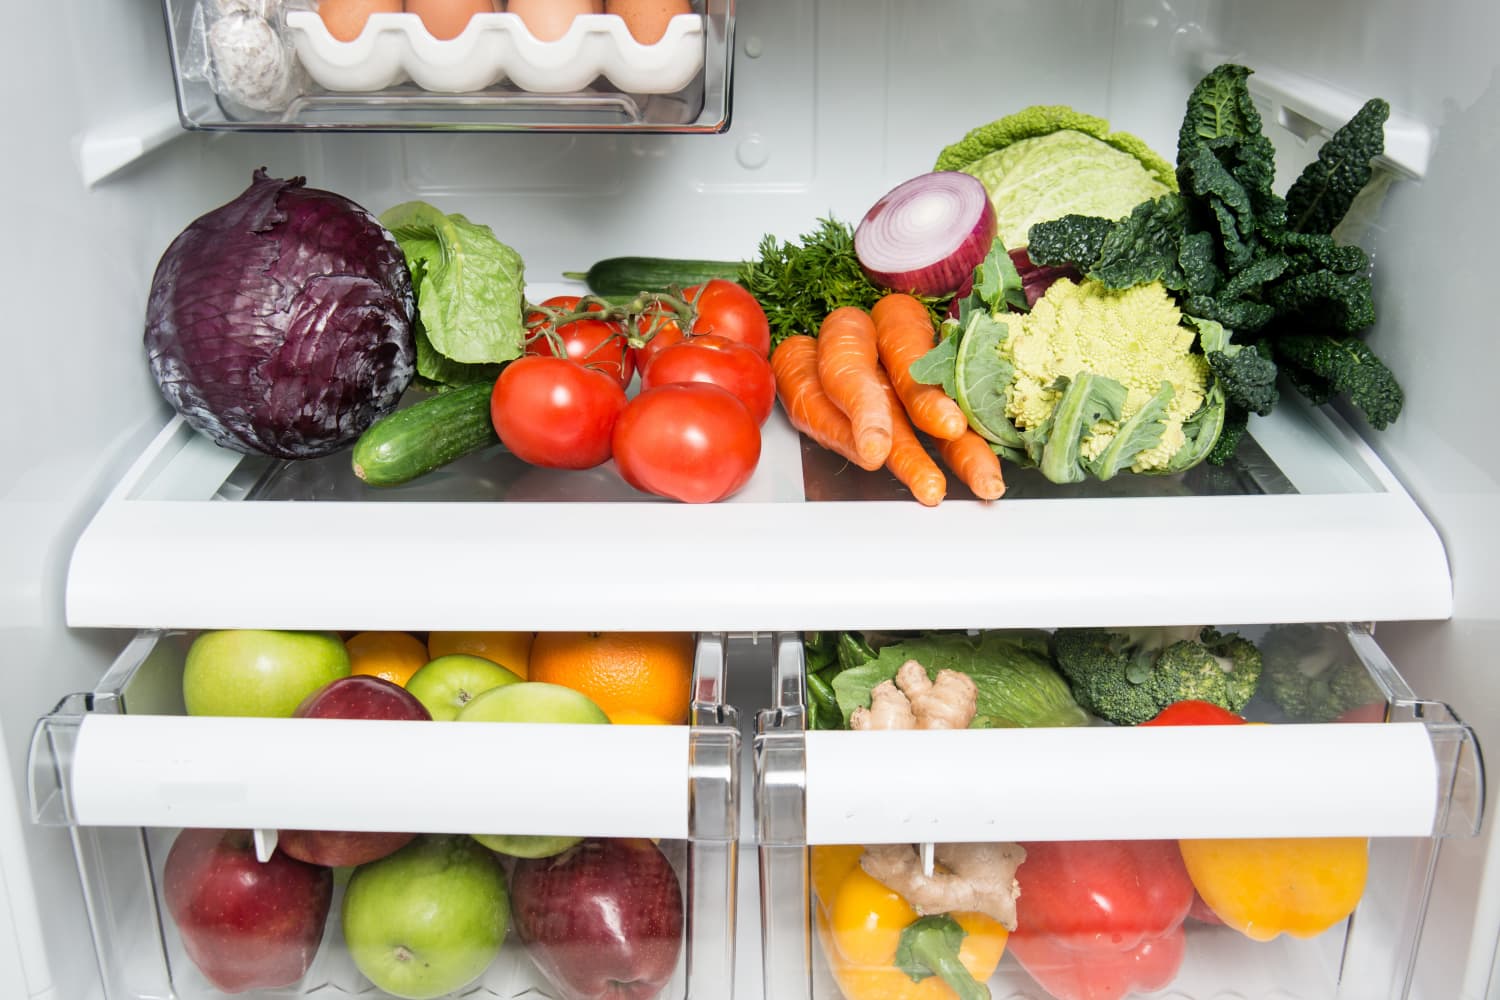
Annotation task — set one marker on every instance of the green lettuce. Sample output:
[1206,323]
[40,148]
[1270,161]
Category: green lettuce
[1013,672]
[470,293]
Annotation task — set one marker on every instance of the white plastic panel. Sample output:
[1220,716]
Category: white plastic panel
[361,774]
[1104,783]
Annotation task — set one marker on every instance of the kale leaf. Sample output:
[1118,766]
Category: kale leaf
[1322,367]
[1321,197]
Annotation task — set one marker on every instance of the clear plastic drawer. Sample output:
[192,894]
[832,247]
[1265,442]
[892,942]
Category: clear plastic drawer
[1290,860]
[626,826]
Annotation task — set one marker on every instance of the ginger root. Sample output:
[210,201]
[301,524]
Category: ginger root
[973,878]
[914,701]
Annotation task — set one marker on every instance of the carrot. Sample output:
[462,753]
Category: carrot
[903,333]
[795,364]
[976,465]
[908,460]
[847,362]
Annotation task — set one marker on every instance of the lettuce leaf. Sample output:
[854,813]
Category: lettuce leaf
[1016,681]
[470,292]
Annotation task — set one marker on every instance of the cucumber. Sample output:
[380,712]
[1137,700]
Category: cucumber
[427,435]
[629,275]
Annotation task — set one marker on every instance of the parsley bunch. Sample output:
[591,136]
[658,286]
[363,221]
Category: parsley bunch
[799,283]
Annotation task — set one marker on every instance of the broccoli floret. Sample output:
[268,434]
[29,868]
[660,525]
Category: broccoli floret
[1240,661]
[1127,677]
[1312,675]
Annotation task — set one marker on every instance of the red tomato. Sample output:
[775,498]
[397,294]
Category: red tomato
[659,328]
[725,363]
[721,307]
[690,441]
[590,342]
[728,309]
[556,413]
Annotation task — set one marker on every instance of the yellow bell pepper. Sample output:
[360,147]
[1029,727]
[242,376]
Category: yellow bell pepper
[871,935]
[1290,885]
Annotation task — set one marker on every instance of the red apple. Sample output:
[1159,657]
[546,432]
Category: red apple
[602,920]
[356,697]
[246,925]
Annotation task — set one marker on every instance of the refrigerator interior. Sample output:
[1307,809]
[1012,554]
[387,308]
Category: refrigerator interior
[833,103]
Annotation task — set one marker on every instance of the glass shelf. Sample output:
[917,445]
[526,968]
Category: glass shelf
[1305,525]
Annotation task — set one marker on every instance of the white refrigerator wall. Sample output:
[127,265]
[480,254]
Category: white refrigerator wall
[835,102]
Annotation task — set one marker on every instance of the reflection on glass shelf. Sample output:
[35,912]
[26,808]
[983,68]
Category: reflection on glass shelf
[826,476]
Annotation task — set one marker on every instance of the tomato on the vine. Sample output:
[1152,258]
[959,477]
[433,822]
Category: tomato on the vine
[720,361]
[593,343]
[719,307]
[728,309]
[556,413]
[690,441]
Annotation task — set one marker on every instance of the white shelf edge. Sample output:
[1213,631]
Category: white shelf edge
[1247,781]
[766,561]
[171,771]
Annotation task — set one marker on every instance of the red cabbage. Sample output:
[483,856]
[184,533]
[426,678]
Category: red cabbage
[281,323]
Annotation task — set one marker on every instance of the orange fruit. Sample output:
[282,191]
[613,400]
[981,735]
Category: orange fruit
[634,676]
[512,650]
[393,656]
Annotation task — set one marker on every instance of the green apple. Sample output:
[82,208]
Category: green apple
[446,684]
[427,920]
[259,672]
[531,701]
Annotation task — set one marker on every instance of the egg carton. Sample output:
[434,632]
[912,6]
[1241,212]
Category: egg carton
[395,48]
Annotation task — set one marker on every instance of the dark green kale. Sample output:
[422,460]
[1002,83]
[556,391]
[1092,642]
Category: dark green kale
[1248,377]
[1067,239]
[1236,423]
[1323,367]
[1321,197]
[1266,268]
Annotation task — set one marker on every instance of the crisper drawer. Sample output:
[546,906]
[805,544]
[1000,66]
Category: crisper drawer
[357,64]
[1289,860]
[616,861]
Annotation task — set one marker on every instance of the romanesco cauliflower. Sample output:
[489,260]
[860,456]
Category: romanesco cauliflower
[1133,336]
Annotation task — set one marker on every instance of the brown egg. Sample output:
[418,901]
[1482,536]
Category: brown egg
[549,20]
[647,19]
[446,19]
[345,19]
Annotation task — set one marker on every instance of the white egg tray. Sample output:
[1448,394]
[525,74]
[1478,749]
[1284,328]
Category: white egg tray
[497,48]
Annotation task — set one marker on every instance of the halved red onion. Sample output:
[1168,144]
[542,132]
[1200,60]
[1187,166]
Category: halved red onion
[927,235]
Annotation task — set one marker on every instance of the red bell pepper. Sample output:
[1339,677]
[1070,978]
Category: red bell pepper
[1099,920]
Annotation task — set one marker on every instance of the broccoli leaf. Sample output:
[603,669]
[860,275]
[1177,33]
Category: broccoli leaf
[1344,367]
[1202,431]
[1319,199]
[1141,432]
[1086,400]
[981,376]
[997,282]
[1072,239]
[937,366]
